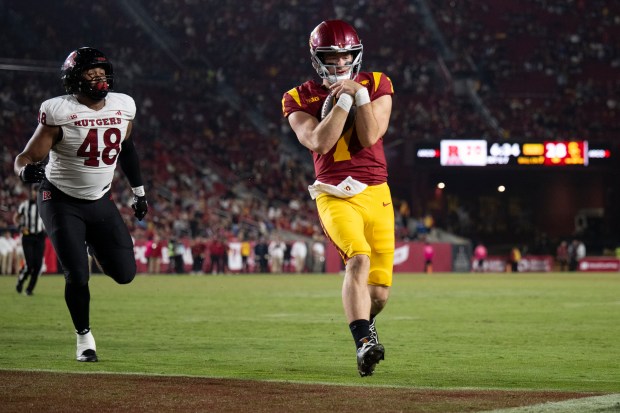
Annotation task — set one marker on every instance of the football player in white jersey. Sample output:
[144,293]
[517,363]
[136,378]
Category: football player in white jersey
[85,133]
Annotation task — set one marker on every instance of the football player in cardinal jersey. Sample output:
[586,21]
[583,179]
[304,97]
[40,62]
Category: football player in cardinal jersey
[351,190]
[85,133]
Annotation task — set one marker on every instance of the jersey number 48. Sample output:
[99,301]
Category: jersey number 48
[89,149]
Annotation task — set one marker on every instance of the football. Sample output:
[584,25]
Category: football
[329,103]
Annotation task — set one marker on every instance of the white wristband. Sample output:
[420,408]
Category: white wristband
[345,102]
[362,97]
[138,190]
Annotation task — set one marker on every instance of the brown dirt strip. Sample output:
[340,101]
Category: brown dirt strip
[27,391]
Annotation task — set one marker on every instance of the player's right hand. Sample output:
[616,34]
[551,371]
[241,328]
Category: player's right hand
[32,173]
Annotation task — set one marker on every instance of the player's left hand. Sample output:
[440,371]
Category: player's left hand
[140,207]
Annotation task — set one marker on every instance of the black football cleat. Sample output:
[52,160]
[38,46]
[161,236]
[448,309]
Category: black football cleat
[88,356]
[368,356]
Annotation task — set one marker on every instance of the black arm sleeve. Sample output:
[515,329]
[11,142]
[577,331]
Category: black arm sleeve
[130,164]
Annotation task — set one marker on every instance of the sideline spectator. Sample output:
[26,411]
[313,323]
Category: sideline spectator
[581,251]
[429,252]
[513,260]
[261,254]
[576,251]
[561,255]
[480,255]
[299,252]
[7,252]
[276,250]
[153,254]
[218,252]
[176,249]
[198,248]
[287,263]
[246,250]
[318,255]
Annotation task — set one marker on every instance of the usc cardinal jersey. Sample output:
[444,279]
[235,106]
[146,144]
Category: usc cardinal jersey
[82,163]
[348,157]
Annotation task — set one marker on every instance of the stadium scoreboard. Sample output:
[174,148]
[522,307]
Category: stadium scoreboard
[479,152]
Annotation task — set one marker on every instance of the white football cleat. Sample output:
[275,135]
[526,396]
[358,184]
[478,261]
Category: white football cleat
[86,347]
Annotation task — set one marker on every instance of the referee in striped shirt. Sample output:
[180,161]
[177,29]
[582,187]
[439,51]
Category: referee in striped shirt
[33,240]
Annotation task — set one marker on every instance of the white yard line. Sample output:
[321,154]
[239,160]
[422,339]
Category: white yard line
[609,403]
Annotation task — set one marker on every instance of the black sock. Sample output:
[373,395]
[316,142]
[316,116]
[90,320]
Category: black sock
[83,332]
[360,329]
[372,318]
[77,298]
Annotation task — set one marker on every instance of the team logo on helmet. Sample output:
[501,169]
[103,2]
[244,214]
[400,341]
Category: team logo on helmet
[69,61]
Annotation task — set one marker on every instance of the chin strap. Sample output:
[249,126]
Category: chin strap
[334,78]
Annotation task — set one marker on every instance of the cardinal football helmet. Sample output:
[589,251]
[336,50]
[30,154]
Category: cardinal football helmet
[335,36]
[83,59]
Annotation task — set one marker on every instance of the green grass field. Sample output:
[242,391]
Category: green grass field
[500,331]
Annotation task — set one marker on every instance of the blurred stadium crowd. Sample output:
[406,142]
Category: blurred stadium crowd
[207,77]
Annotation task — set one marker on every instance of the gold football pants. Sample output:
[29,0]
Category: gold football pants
[362,224]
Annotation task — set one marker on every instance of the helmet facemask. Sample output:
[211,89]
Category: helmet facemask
[323,69]
[95,89]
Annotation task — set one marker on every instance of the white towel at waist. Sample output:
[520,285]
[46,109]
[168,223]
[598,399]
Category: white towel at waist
[345,189]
